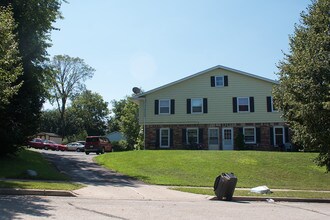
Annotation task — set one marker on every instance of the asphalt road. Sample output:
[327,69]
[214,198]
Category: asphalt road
[109,195]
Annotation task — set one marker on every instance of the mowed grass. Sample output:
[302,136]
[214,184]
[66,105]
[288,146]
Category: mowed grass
[48,175]
[281,170]
[15,167]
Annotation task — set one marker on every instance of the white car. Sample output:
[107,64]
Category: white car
[75,146]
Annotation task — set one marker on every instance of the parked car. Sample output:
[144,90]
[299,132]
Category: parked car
[97,144]
[36,143]
[53,146]
[76,146]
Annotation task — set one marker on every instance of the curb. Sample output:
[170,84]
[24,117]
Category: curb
[36,192]
[272,200]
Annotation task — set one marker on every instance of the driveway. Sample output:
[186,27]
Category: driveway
[104,183]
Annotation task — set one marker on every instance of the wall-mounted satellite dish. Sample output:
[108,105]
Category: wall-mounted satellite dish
[136,90]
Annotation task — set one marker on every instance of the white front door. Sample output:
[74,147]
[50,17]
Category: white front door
[213,139]
[227,139]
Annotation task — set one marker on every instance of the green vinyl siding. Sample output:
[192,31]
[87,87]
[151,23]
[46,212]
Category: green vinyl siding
[220,107]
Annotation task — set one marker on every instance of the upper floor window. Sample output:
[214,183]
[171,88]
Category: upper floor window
[270,104]
[243,104]
[196,105]
[219,81]
[164,106]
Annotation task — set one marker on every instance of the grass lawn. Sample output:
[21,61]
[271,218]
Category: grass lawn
[15,168]
[277,170]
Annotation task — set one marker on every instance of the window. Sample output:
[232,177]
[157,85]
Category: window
[243,104]
[164,137]
[219,81]
[213,136]
[192,136]
[197,105]
[279,136]
[164,106]
[270,105]
[249,135]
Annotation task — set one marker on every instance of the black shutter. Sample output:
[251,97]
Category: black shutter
[205,105]
[225,80]
[172,106]
[286,135]
[200,136]
[212,81]
[157,139]
[251,104]
[240,130]
[269,104]
[258,135]
[188,106]
[184,136]
[171,138]
[234,104]
[156,106]
[271,133]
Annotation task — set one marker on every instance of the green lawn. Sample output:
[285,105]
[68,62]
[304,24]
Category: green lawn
[15,168]
[294,170]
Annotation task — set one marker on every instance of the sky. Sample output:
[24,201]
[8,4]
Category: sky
[149,43]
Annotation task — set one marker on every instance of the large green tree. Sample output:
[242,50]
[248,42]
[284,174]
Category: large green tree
[304,90]
[92,111]
[19,119]
[66,81]
[117,111]
[10,65]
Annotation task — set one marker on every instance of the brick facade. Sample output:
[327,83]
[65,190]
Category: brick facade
[264,142]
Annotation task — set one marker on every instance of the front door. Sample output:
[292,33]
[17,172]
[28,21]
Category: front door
[227,139]
[213,139]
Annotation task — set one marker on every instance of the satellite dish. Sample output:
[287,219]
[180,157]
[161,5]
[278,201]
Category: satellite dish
[136,90]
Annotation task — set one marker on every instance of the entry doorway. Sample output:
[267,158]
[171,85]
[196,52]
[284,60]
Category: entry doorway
[227,139]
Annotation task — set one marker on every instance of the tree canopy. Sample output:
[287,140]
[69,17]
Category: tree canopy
[19,119]
[304,75]
[10,61]
[66,81]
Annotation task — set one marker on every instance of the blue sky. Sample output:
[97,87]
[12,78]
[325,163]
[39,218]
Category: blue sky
[149,43]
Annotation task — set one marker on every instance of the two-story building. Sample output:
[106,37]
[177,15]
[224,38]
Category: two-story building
[209,109]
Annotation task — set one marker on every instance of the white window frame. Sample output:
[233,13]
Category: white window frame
[168,138]
[191,106]
[254,135]
[274,136]
[169,106]
[238,98]
[209,136]
[187,136]
[223,81]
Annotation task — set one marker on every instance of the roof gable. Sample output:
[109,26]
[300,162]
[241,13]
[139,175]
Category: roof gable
[203,72]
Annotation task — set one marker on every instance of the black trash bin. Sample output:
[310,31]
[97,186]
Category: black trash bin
[224,186]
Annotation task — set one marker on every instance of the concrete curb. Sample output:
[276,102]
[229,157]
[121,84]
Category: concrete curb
[37,192]
[276,199]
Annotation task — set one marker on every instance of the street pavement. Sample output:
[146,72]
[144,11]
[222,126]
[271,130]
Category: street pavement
[110,195]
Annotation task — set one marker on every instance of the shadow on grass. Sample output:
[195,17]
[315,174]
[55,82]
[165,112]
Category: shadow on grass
[80,168]
[13,206]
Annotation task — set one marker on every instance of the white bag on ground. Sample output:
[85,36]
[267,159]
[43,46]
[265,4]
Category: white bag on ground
[261,190]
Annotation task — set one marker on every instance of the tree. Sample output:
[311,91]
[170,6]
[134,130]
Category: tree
[66,81]
[117,110]
[304,75]
[129,124]
[19,119]
[10,65]
[92,111]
